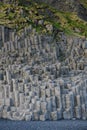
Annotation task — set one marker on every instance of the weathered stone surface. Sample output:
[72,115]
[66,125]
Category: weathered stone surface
[36,83]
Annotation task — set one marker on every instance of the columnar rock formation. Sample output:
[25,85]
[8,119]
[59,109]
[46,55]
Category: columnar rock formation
[40,78]
[46,100]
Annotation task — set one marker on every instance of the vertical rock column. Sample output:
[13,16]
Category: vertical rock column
[16,92]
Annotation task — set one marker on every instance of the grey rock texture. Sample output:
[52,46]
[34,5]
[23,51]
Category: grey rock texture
[63,5]
[68,6]
[40,78]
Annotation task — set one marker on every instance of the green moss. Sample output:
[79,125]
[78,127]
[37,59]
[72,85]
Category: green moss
[84,3]
[29,12]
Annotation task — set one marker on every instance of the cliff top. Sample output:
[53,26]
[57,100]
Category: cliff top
[54,15]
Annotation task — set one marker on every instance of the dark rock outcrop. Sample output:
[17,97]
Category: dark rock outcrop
[68,6]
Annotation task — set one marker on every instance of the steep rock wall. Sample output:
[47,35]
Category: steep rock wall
[40,78]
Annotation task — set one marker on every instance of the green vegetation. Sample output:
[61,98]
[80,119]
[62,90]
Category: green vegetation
[40,16]
[84,3]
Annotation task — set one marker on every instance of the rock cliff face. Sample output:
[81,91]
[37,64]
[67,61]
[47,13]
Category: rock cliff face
[43,76]
[69,6]
[63,5]
[40,78]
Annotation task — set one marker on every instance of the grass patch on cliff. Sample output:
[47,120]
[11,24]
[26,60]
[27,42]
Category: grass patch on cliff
[84,3]
[41,15]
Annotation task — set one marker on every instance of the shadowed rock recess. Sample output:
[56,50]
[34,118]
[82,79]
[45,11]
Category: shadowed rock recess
[40,78]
